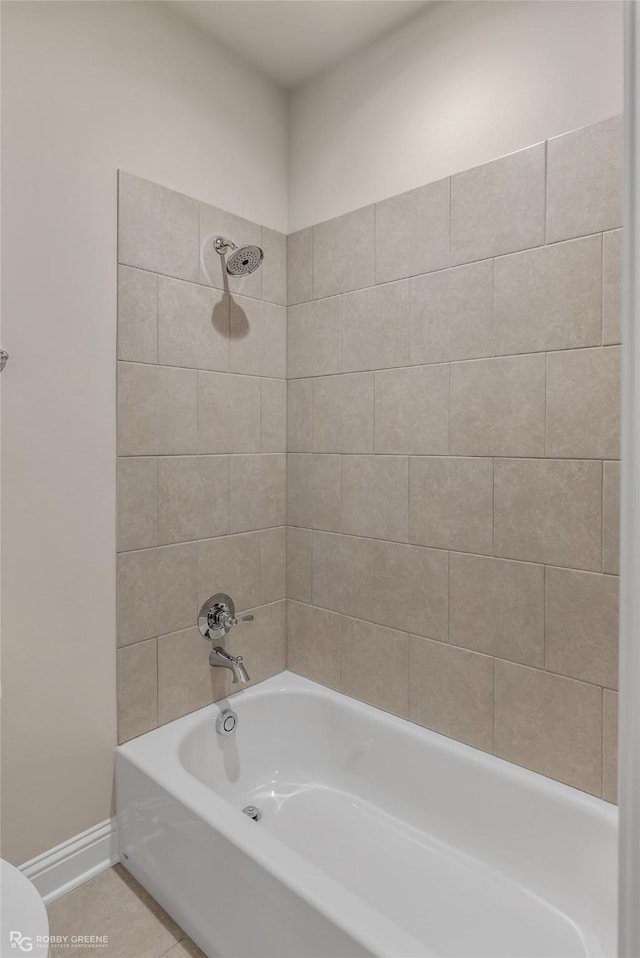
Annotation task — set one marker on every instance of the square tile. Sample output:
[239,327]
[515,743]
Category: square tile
[343,253]
[375,496]
[612,287]
[451,314]
[258,492]
[343,413]
[157,228]
[258,338]
[549,511]
[375,327]
[584,180]
[137,689]
[610,746]
[451,503]
[299,415]
[583,403]
[451,691]
[273,560]
[299,564]
[412,411]
[186,681]
[299,263]
[313,340]
[231,564]
[581,631]
[230,413]
[549,298]
[157,410]
[550,724]
[412,232]
[193,498]
[611,518]
[156,592]
[498,207]
[137,503]
[375,665]
[497,607]
[313,643]
[262,643]
[137,315]
[274,415]
[498,407]
[342,573]
[313,491]
[274,267]
[193,325]
[410,589]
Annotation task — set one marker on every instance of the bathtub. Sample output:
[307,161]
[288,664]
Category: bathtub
[377,837]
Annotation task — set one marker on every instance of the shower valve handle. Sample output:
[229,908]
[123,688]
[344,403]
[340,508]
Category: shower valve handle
[218,616]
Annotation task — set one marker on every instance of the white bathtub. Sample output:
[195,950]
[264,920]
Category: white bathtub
[377,837]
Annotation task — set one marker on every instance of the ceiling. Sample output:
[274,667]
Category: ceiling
[294,40]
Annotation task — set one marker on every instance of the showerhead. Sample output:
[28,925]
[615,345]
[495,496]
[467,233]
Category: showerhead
[243,259]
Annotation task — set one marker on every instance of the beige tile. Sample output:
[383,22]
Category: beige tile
[611,286]
[342,571]
[375,665]
[412,232]
[299,564]
[193,497]
[610,746]
[258,338]
[583,403]
[274,415]
[410,588]
[497,607]
[374,496]
[313,491]
[261,643]
[157,228]
[115,905]
[584,180]
[313,643]
[451,691]
[258,492]
[157,410]
[137,503]
[498,407]
[550,724]
[273,557]
[313,340]
[375,327]
[215,222]
[498,207]
[186,681]
[299,415]
[137,689]
[230,413]
[549,298]
[274,267]
[549,511]
[452,314]
[343,413]
[343,253]
[137,315]
[611,518]
[299,263]
[451,503]
[193,325]
[581,625]
[412,411]
[231,564]
[156,592]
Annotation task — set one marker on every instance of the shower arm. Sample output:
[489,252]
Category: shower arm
[222,245]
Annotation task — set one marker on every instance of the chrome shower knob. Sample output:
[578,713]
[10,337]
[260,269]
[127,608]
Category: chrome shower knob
[218,616]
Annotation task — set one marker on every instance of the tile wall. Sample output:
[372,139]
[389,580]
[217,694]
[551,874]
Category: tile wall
[453,455]
[201,451]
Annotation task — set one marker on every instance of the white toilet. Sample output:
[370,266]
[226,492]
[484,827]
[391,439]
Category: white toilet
[24,926]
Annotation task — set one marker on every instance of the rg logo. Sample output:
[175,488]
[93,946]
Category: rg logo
[20,941]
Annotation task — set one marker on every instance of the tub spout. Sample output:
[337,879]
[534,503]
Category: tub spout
[219,658]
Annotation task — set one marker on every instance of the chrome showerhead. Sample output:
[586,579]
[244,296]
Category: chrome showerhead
[243,259]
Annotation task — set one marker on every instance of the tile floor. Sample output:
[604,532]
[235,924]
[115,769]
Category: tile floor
[114,904]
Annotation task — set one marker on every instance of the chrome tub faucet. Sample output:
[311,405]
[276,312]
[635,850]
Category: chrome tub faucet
[217,618]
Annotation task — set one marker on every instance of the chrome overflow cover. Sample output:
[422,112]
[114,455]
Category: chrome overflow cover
[253,812]
[226,722]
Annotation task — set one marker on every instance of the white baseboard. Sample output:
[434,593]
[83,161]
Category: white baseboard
[63,868]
